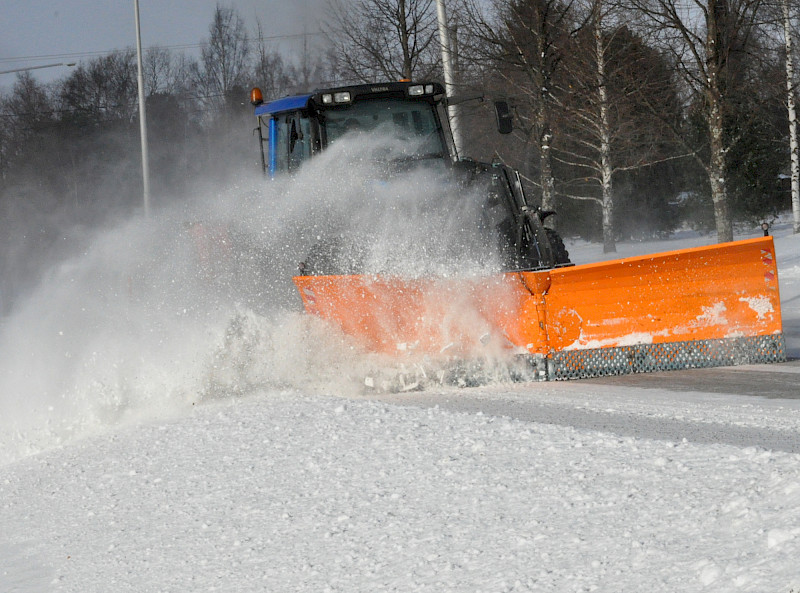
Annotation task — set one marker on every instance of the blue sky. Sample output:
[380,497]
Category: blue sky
[36,32]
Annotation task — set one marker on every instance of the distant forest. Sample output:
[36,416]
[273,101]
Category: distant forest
[632,117]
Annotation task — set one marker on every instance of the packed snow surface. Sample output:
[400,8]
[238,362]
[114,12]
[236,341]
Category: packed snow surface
[286,492]
[194,445]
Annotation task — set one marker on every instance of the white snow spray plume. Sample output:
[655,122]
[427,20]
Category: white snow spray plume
[197,302]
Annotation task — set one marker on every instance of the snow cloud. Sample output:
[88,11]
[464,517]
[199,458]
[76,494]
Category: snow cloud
[197,300]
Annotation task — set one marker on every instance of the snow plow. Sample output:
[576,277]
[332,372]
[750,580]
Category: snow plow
[701,307]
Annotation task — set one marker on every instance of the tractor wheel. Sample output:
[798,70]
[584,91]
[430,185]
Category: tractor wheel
[560,253]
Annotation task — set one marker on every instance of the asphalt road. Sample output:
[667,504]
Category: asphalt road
[763,381]
[769,380]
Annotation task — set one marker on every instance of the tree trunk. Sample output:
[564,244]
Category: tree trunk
[717,167]
[546,171]
[404,39]
[716,174]
[546,159]
[609,242]
[792,109]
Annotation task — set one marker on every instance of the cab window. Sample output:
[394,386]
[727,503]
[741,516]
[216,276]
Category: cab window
[413,122]
[292,141]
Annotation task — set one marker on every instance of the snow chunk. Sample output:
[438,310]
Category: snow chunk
[633,339]
[713,315]
[761,305]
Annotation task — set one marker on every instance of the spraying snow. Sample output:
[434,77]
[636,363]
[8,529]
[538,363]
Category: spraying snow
[197,301]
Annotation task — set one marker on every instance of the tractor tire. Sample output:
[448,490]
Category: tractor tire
[560,253]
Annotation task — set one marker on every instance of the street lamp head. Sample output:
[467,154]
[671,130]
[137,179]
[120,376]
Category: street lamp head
[27,68]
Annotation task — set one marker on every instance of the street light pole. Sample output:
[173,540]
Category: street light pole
[449,78]
[142,115]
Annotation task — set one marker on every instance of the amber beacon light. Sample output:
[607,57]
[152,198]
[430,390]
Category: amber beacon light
[256,98]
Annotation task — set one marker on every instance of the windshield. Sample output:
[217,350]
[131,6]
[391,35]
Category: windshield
[412,122]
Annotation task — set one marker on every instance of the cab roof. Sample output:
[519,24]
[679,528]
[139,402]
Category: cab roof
[284,104]
[296,102]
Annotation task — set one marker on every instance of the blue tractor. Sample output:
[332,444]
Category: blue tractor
[292,130]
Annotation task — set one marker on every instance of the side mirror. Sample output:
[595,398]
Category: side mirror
[505,120]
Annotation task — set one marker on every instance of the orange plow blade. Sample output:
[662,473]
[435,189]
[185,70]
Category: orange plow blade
[700,307]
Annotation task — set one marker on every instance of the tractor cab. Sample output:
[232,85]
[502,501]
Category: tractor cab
[412,116]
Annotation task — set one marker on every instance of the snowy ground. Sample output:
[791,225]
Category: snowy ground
[306,487]
[285,492]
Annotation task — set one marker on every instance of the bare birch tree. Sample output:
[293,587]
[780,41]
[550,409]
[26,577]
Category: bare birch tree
[165,72]
[271,72]
[593,118]
[791,107]
[706,38]
[605,129]
[157,70]
[380,40]
[224,61]
[527,41]
[104,88]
